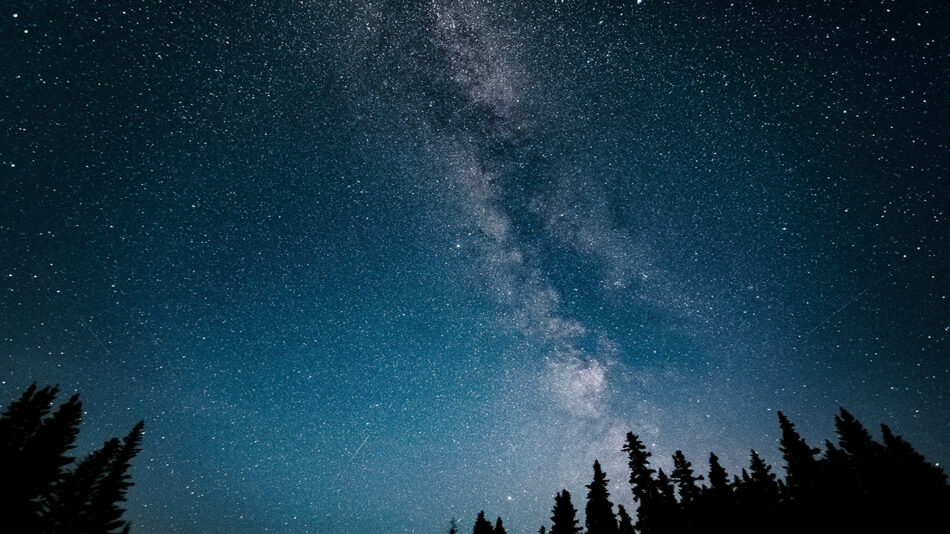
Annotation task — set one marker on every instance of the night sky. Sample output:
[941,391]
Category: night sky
[365,266]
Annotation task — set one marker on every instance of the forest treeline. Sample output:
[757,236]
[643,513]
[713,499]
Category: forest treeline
[41,490]
[859,485]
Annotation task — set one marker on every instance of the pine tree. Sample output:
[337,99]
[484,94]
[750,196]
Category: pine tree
[599,515]
[499,527]
[37,492]
[910,465]
[482,526]
[564,515]
[715,507]
[855,440]
[800,463]
[33,448]
[718,478]
[762,478]
[624,525]
[453,526]
[641,475]
[685,479]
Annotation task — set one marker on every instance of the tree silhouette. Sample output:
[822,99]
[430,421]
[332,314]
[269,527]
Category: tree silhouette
[564,515]
[800,465]
[624,524]
[37,492]
[499,527]
[859,485]
[453,526]
[33,448]
[685,479]
[482,526]
[599,514]
[641,482]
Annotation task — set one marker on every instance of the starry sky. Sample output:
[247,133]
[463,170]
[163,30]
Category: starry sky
[366,266]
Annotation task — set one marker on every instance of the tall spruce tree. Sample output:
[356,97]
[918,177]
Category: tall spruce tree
[33,454]
[624,523]
[641,475]
[718,478]
[38,492]
[453,526]
[564,515]
[685,479]
[499,527]
[599,513]
[482,526]
[801,468]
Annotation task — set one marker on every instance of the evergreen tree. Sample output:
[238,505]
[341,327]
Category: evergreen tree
[37,491]
[499,527]
[33,453]
[624,524]
[482,526]
[641,475]
[564,515]
[715,507]
[642,484]
[800,463]
[718,478]
[762,479]
[685,479]
[909,466]
[599,515]
[453,526]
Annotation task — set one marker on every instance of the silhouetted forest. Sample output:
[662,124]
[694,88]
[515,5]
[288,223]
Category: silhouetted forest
[40,490]
[858,485]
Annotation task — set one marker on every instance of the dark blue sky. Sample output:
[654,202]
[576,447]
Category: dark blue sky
[363,267]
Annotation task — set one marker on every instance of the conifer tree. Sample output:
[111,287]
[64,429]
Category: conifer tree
[641,475]
[453,526]
[854,439]
[482,526]
[624,523]
[33,448]
[564,515]
[599,515]
[642,483]
[718,479]
[715,508]
[762,478]
[685,479]
[499,527]
[800,463]
[910,465]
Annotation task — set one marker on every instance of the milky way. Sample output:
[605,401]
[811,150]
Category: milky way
[370,266]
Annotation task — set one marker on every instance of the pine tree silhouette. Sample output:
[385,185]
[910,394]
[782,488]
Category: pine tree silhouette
[718,478]
[37,492]
[685,479]
[453,526]
[564,515]
[499,527]
[599,515]
[715,508]
[665,512]
[33,447]
[800,464]
[624,523]
[641,475]
[642,483]
[482,526]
